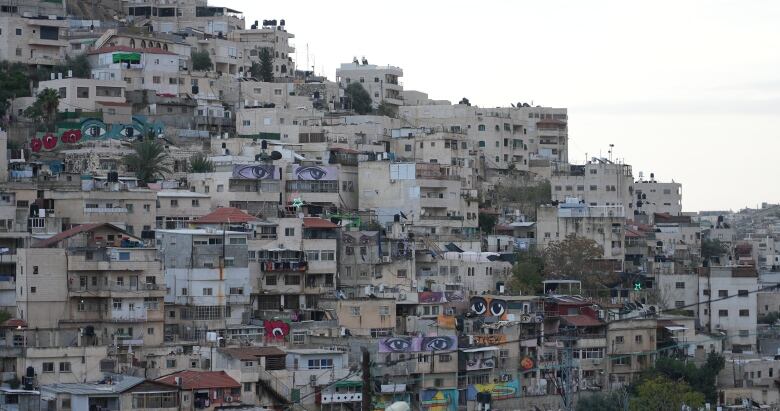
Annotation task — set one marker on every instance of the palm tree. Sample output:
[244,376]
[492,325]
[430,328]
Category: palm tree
[199,163]
[45,106]
[148,161]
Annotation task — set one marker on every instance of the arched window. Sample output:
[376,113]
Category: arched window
[132,43]
[284,68]
[143,44]
[165,47]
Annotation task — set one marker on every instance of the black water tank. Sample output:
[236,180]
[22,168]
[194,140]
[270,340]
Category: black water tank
[30,372]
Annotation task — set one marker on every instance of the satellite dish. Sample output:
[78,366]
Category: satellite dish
[275,155]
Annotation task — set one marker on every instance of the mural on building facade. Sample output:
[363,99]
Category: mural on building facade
[418,344]
[315,173]
[276,329]
[488,307]
[91,128]
[498,391]
[256,172]
[439,297]
[439,399]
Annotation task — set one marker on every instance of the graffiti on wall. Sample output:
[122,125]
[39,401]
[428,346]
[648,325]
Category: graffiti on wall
[90,129]
[488,307]
[440,400]
[418,344]
[314,173]
[255,172]
[276,329]
[486,340]
[439,297]
[498,391]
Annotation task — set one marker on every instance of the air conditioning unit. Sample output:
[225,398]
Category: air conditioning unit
[387,259]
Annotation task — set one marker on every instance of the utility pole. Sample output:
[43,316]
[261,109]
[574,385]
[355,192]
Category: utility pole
[567,370]
[367,386]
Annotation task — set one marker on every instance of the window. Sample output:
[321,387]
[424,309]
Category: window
[638,339]
[355,310]
[196,203]
[120,281]
[328,255]
[289,231]
[174,203]
[48,367]
[82,92]
[270,280]
[237,290]
[744,313]
[679,285]
[679,304]
[743,293]
[744,333]
[170,363]
[237,240]
[156,79]
[619,339]
[292,280]
[247,387]
[298,338]
[384,310]
[320,364]
[18,32]
[705,291]
[723,293]
[117,303]
[147,207]
[723,313]
[150,331]
[183,291]
[208,291]
[33,290]
[593,188]
[65,366]
[401,274]
[481,127]
[623,360]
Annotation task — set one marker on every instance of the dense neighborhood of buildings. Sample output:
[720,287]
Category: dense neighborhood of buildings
[189,220]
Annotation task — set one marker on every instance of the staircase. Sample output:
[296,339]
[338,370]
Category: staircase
[433,247]
[271,385]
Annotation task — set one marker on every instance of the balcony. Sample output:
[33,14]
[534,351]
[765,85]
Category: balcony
[283,266]
[441,217]
[342,397]
[105,210]
[107,291]
[436,202]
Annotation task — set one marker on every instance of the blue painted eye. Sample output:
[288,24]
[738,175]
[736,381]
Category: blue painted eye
[478,305]
[398,344]
[497,307]
[437,343]
[254,172]
[310,173]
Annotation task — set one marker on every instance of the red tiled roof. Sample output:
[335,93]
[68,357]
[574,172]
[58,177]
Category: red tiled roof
[73,231]
[225,215]
[14,323]
[581,320]
[316,222]
[111,49]
[196,380]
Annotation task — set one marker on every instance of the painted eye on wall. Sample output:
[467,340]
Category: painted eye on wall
[437,343]
[95,131]
[277,332]
[478,305]
[310,173]
[398,344]
[129,132]
[497,307]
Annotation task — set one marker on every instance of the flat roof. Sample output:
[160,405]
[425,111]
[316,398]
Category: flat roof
[181,193]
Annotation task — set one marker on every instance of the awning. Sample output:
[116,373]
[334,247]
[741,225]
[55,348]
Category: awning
[126,57]
[348,384]
[674,328]
[480,349]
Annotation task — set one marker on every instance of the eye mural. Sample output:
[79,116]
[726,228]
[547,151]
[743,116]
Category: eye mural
[255,172]
[314,173]
[488,307]
[79,130]
[275,329]
[418,344]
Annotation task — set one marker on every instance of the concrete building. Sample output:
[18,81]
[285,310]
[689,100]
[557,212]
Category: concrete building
[178,208]
[631,349]
[110,293]
[32,39]
[149,68]
[87,94]
[274,37]
[207,277]
[113,391]
[736,317]
[194,14]
[602,224]
[381,82]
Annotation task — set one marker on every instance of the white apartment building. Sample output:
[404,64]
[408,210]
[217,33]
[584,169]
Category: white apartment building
[657,197]
[173,16]
[177,208]
[85,94]
[141,69]
[270,36]
[381,82]
[734,308]
[33,39]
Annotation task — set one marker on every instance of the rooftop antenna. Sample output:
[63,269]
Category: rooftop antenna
[611,146]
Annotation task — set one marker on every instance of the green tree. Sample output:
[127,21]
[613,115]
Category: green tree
[388,110]
[663,394]
[79,65]
[361,100]
[616,400]
[711,248]
[45,108]
[701,379]
[201,60]
[575,258]
[14,82]
[148,160]
[527,273]
[5,316]
[266,69]
[487,222]
[199,163]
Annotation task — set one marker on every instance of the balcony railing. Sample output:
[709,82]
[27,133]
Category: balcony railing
[441,217]
[289,266]
[107,210]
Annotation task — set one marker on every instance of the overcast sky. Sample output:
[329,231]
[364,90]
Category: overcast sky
[687,90]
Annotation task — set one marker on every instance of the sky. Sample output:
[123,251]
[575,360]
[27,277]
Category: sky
[688,90]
